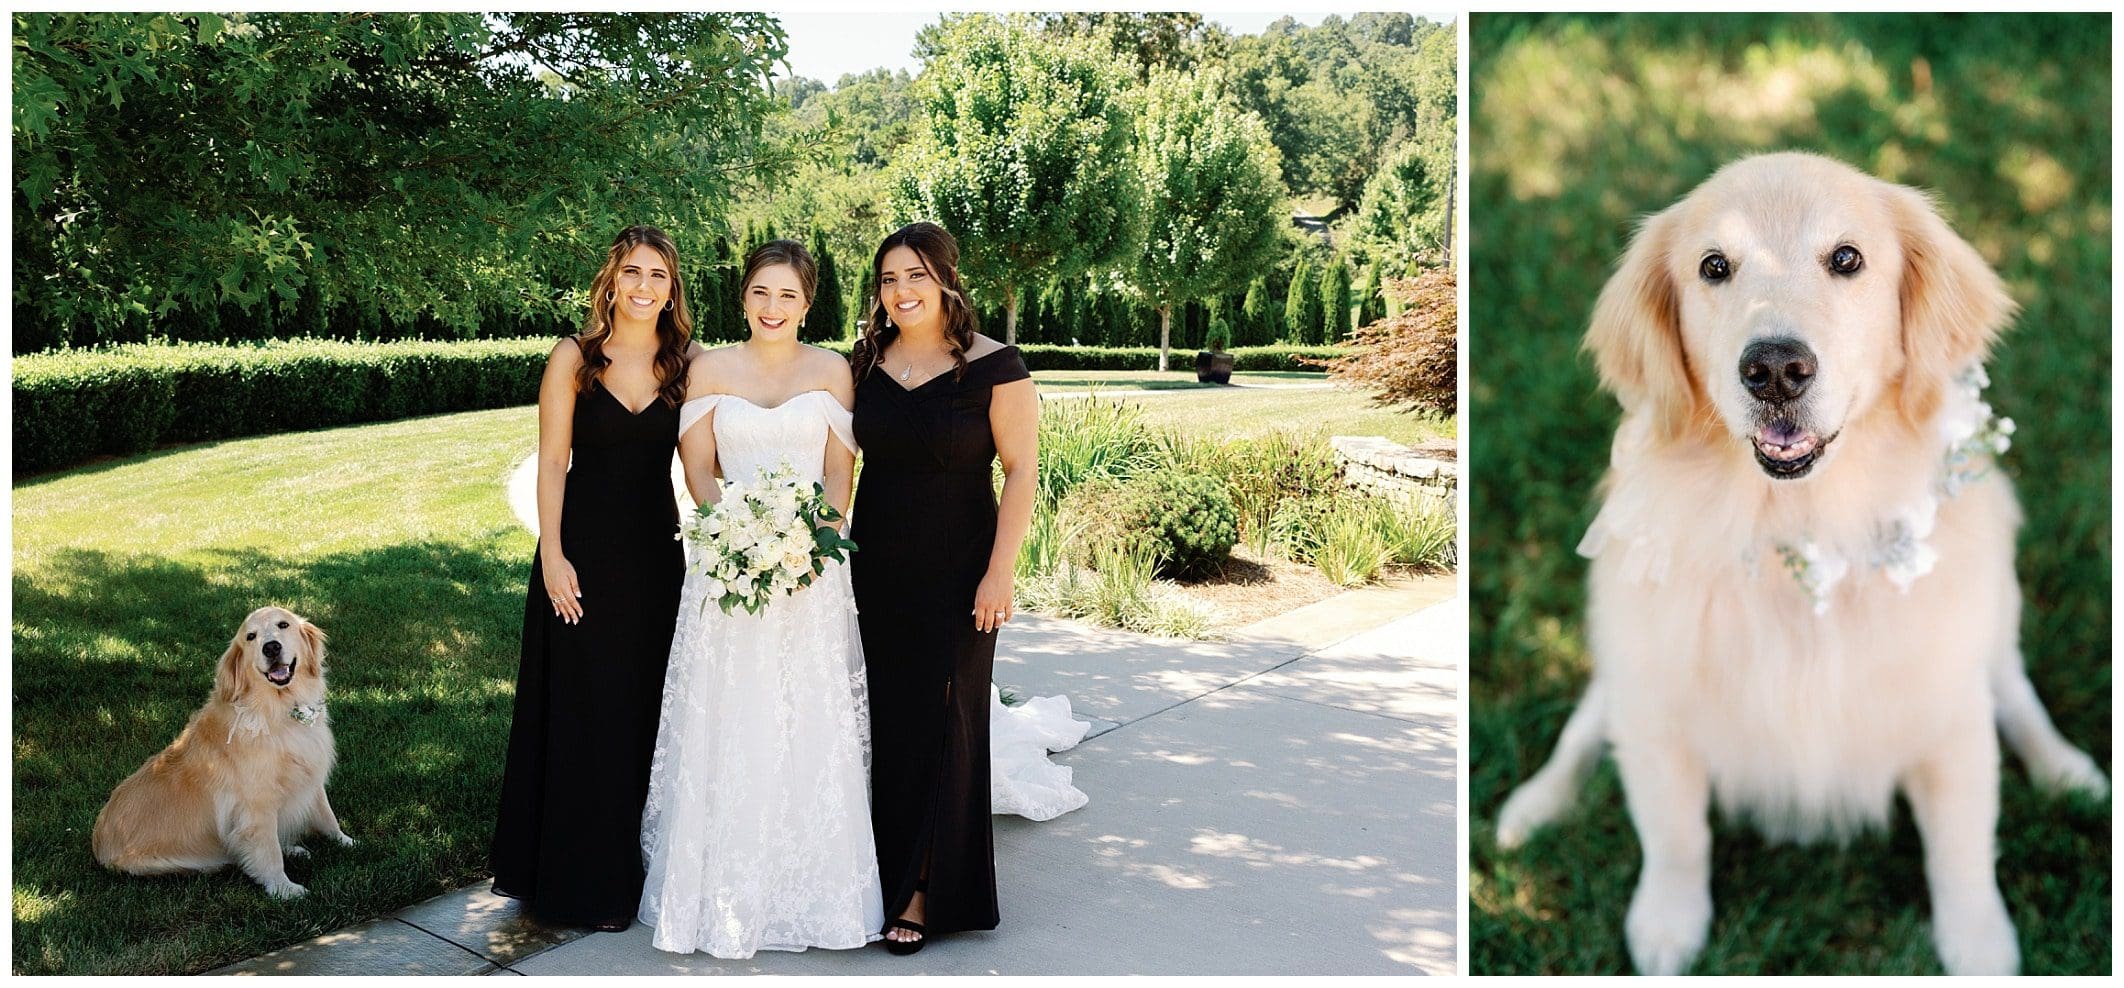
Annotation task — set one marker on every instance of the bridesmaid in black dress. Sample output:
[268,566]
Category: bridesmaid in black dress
[936,405]
[603,597]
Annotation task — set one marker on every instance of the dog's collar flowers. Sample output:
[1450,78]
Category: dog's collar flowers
[308,713]
[1975,436]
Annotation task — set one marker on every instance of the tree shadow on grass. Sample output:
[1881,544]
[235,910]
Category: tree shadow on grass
[113,653]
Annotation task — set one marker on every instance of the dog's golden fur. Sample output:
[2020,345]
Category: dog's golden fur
[244,782]
[1717,673]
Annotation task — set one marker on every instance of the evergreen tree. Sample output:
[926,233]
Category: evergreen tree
[1257,324]
[1298,303]
[828,319]
[1368,308]
[1335,299]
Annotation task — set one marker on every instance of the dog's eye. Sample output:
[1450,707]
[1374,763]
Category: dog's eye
[283,624]
[1715,267]
[253,636]
[1846,260]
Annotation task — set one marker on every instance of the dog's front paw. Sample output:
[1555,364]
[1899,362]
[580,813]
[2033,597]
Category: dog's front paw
[1976,938]
[285,889]
[1667,925]
[344,840]
[295,851]
[1528,809]
[2071,770]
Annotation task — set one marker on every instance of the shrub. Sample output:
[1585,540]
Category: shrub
[1118,590]
[1349,548]
[72,405]
[1088,439]
[1263,472]
[1412,358]
[1188,518]
[1294,526]
[1419,536]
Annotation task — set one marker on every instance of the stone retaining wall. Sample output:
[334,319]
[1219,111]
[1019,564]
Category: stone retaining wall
[1384,468]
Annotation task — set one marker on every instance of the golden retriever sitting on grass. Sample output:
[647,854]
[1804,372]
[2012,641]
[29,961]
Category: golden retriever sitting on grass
[1802,597]
[245,780]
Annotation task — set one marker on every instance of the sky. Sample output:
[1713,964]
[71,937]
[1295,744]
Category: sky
[828,46]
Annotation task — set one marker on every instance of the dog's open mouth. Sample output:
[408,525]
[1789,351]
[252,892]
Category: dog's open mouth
[281,672]
[1787,451]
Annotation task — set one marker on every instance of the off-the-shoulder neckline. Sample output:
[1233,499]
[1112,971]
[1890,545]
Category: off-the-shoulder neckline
[748,401]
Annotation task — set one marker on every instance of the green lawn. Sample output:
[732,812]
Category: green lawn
[129,578]
[1580,125]
[1234,412]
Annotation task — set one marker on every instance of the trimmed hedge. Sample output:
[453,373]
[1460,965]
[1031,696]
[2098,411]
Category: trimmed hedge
[1041,357]
[71,405]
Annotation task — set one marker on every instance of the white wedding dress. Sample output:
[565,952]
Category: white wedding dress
[757,828]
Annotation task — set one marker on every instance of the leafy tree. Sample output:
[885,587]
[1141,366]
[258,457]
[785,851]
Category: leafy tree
[1214,208]
[434,167]
[1179,41]
[1401,221]
[1333,95]
[1335,302]
[1026,155]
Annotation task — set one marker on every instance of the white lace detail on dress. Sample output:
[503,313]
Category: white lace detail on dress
[757,829]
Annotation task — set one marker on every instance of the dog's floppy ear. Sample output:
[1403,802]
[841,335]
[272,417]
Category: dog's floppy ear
[1635,338]
[229,681]
[314,637]
[1953,304]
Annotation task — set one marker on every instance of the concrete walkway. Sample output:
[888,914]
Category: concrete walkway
[1279,803]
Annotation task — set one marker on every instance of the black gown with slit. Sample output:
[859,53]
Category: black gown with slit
[567,837]
[925,521]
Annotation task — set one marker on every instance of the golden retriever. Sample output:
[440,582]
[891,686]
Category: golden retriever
[244,782]
[1802,596]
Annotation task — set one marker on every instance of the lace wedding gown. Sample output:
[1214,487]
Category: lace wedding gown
[757,828]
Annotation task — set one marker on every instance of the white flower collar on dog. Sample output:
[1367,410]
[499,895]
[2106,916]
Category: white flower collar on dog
[1974,435]
[251,723]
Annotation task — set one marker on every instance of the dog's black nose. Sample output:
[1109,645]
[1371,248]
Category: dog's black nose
[1777,370]
[271,650]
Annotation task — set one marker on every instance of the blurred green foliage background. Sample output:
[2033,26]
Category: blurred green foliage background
[1581,125]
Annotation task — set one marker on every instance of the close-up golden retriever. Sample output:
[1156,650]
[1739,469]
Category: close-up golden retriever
[244,782]
[1802,595]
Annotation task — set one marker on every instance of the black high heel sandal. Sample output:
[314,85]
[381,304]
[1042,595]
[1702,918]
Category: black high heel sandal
[901,948]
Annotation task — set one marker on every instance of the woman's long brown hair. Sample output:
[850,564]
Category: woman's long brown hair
[940,254]
[674,325]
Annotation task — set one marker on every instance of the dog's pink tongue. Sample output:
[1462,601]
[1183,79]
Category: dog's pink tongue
[1784,441]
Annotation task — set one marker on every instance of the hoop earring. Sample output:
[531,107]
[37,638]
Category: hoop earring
[667,304]
[608,295]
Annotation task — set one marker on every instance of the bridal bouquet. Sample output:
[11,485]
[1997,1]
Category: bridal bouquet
[766,537]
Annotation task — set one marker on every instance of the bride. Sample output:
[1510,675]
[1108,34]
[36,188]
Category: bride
[757,828]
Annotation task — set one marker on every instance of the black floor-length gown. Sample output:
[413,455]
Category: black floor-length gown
[567,838]
[925,521]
